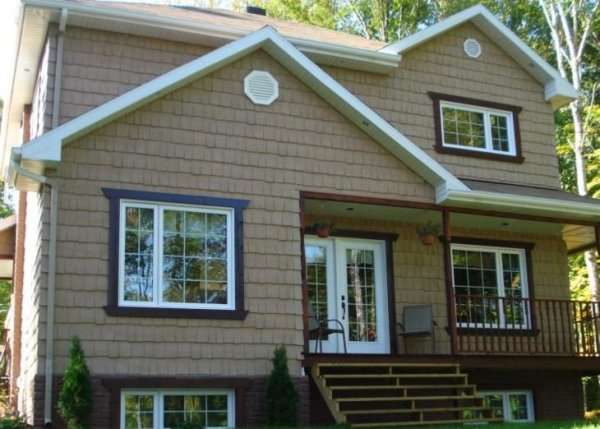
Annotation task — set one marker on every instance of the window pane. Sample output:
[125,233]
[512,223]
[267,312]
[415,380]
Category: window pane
[206,410]
[316,279]
[475,286]
[139,411]
[138,254]
[361,295]
[194,257]
[499,129]
[496,403]
[517,405]
[463,127]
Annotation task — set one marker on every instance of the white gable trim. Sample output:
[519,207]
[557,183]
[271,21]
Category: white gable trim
[558,91]
[46,150]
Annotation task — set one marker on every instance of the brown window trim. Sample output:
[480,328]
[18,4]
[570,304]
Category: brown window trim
[114,309]
[440,148]
[528,247]
[116,384]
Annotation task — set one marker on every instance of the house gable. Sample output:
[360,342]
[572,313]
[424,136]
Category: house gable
[46,150]
[557,90]
[441,66]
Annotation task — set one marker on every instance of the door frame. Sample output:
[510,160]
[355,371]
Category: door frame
[388,240]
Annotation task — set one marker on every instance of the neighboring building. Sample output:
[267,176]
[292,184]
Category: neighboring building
[173,164]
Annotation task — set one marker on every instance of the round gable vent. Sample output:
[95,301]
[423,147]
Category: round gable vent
[261,87]
[472,48]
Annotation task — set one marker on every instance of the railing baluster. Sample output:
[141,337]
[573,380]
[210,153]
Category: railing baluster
[514,325]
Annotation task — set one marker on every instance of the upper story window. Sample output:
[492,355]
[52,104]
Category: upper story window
[491,287]
[174,255]
[476,128]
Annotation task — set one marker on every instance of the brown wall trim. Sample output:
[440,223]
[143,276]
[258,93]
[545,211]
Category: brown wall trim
[440,148]
[495,243]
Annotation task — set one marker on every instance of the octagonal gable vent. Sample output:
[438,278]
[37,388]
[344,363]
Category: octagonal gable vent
[472,48]
[261,87]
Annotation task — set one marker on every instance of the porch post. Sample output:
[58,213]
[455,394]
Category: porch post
[449,286]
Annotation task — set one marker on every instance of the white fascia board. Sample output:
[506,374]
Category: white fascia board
[557,90]
[384,62]
[520,204]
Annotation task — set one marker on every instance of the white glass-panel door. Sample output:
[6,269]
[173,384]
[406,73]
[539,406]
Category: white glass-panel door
[346,281]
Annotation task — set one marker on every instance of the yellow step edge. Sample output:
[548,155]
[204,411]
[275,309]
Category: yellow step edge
[411,398]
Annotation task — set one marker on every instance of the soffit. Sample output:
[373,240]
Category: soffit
[574,236]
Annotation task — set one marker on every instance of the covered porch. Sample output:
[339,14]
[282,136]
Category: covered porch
[496,282]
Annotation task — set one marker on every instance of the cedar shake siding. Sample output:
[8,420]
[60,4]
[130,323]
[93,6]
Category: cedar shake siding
[208,139]
[442,66]
[99,66]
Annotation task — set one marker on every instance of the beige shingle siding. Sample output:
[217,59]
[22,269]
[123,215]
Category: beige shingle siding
[98,66]
[442,66]
[33,302]
[265,155]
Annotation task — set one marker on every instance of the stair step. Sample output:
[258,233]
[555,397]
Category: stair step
[423,423]
[410,398]
[409,411]
[389,365]
[393,376]
[404,386]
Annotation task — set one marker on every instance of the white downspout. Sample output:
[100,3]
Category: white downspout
[51,292]
[58,68]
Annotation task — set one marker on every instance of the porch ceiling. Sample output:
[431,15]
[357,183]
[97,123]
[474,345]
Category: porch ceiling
[576,237]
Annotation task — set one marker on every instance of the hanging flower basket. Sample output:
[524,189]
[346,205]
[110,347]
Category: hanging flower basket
[323,229]
[428,233]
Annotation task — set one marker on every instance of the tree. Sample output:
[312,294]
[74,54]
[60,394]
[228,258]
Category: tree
[570,23]
[75,397]
[280,393]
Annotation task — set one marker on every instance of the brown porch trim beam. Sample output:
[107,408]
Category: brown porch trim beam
[448,279]
[429,206]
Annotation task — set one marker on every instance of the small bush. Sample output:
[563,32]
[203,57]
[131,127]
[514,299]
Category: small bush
[75,397]
[14,423]
[280,395]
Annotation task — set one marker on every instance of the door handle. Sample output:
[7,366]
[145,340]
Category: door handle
[343,307]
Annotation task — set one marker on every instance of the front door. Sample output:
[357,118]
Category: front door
[346,282]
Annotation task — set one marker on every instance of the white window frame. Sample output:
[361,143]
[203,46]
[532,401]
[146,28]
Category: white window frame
[512,147]
[506,407]
[159,402]
[159,208]
[498,251]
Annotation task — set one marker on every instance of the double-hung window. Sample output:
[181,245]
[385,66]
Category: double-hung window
[166,409]
[476,128]
[491,287]
[175,253]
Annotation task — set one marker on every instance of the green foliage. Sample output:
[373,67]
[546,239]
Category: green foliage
[280,395]
[75,398]
[14,423]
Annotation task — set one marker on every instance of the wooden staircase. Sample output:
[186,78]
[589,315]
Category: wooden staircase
[395,394]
